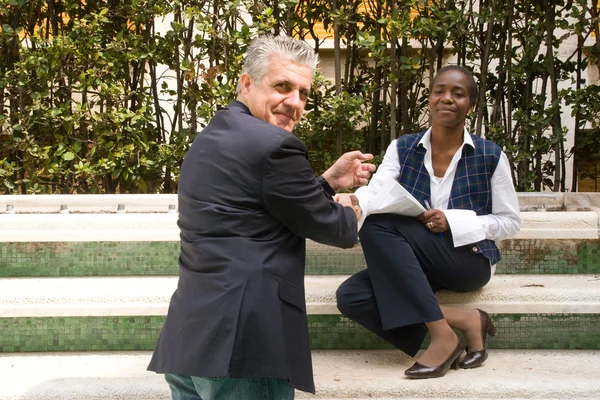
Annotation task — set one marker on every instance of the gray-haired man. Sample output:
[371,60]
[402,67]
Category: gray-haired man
[236,327]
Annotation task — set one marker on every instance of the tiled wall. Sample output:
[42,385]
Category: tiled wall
[531,256]
[515,331]
[88,258]
[531,331]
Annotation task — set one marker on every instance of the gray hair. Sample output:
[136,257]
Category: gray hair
[264,47]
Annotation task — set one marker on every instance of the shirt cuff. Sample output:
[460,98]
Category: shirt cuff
[325,185]
[465,225]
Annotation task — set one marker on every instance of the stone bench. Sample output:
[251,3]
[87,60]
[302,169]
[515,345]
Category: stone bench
[163,226]
[122,296]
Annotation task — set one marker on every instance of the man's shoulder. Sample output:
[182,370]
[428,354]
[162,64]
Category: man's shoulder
[237,129]
[238,116]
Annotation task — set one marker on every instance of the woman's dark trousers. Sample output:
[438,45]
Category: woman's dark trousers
[406,265]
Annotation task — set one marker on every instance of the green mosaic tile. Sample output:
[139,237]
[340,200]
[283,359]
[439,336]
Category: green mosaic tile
[88,259]
[549,256]
[79,333]
[531,331]
[520,256]
[328,260]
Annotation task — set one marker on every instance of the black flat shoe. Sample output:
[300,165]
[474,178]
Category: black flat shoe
[477,358]
[418,371]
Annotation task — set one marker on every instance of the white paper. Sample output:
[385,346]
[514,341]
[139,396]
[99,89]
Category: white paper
[395,199]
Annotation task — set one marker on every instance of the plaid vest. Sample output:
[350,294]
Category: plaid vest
[471,189]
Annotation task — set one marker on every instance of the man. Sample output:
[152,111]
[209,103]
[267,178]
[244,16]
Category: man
[236,326]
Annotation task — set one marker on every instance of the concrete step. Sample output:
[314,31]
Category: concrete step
[109,203]
[373,374]
[131,296]
[163,227]
[95,203]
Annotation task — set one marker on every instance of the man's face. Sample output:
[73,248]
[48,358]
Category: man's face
[280,97]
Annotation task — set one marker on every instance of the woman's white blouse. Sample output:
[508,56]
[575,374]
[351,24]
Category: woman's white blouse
[466,226]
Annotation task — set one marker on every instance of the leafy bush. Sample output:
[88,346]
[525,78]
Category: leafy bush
[95,98]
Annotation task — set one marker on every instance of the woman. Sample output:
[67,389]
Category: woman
[467,182]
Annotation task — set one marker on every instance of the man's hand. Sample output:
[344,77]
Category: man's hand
[349,171]
[350,200]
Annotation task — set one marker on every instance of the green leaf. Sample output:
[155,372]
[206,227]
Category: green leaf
[68,156]
[7,29]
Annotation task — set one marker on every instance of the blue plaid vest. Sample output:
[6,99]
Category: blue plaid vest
[471,189]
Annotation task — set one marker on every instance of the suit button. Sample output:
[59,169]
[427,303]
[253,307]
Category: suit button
[474,248]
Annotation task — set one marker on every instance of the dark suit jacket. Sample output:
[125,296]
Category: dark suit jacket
[248,198]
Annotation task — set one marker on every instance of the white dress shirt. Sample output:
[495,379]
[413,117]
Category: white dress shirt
[467,227]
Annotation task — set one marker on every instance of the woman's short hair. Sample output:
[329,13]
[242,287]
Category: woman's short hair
[260,51]
[473,93]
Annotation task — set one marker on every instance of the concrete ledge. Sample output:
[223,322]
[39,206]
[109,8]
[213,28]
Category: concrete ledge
[140,296]
[506,375]
[554,201]
[544,201]
[504,294]
[79,376]
[88,203]
[558,225]
[163,227]
[370,374]
[581,201]
[88,227]
[108,203]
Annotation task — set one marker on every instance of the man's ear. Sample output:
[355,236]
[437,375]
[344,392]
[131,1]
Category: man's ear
[245,82]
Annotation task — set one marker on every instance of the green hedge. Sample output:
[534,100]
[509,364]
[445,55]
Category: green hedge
[95,99]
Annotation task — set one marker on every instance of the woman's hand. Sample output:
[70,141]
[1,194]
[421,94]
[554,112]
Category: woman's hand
[434,220]
[350,200]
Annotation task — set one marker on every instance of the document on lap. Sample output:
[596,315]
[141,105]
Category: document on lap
[395,199]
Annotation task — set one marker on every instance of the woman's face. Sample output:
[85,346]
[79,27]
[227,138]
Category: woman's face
[449,101]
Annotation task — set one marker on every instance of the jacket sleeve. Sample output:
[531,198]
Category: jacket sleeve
[294,197]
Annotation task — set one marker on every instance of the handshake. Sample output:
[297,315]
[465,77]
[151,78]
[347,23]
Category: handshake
[350,200]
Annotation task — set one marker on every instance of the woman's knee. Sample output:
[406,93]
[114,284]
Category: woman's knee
[353,294]
[345,297]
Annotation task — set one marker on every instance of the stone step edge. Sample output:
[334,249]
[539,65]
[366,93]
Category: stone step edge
[339,374]
[163,227]
[147,296]
[528,201]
